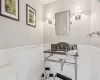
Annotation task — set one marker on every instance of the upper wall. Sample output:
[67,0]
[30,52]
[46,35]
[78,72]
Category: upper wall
[79,29]
[95,21]
[17,33]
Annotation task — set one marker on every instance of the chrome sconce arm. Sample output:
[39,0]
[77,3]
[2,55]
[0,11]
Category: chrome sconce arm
[98,33]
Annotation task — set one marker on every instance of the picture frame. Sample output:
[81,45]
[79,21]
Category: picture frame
[30,16]
[10,9]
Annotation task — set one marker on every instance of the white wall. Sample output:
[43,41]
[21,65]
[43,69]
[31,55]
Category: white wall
[27,63]
[17,33]
[79,29]
[88,64]
[95,24]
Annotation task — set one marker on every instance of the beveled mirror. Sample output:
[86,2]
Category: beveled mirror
[62,23]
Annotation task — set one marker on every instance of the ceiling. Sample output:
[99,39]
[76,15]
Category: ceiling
[47,1]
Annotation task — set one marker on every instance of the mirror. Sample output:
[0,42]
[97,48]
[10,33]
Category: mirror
[62,20]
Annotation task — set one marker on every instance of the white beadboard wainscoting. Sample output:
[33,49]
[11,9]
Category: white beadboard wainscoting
[26,63]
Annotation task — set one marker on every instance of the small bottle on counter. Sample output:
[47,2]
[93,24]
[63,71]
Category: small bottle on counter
[51,77]
[42,77]
[47,71]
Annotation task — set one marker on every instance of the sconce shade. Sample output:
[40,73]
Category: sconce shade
[78,13]
[49,18]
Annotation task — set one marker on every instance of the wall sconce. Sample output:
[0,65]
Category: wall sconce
[49,18]
[78,13]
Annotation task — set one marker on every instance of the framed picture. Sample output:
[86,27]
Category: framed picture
[30,16]
[10,9]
